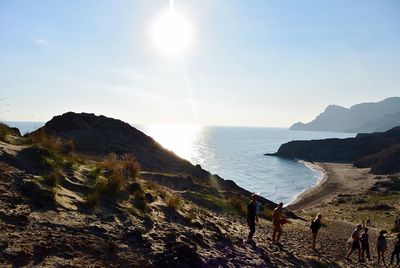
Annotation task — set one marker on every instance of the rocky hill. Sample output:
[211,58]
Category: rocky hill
[364,117]
[100,135]
[376,150]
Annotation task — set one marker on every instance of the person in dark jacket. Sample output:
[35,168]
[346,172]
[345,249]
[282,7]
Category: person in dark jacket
[315,226]
[252,217]
[364,239]
[396,250]
[381,246]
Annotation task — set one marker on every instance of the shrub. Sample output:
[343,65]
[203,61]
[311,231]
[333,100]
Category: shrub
[174,202]
[111,163]
[45,141]
[130,165]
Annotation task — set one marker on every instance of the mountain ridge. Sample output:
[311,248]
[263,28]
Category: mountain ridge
[362,117]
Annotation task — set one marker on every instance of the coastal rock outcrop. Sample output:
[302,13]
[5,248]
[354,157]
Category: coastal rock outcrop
[376,150]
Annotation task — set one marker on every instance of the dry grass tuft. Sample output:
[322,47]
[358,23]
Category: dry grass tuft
[174,202]
[237,202]
[130,165]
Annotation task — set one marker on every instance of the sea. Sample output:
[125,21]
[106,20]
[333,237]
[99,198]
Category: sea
[237,153]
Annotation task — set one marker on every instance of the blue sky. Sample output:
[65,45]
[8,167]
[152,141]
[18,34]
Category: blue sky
[254,63]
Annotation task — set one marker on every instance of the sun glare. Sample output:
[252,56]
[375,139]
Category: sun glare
[172,33]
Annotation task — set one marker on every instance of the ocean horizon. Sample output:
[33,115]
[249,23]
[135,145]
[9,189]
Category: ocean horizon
[237,154]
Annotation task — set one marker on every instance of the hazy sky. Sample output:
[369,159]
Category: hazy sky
[257,63]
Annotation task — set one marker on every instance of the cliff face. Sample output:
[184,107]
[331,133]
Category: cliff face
[364,117]
[369,150]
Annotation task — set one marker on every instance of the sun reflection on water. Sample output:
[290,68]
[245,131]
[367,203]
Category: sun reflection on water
[183,140]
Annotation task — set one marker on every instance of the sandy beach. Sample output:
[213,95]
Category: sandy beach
[338,179]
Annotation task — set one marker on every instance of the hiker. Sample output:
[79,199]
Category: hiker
[276,222]
[396,250]
[381,246]
[315,226]
[355,242]
[252,217]
[364,239]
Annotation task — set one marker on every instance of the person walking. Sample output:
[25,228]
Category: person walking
[252,217]
[315,226]
[381,246]
[355,245]
[276,222]
[364,239]
[396,250]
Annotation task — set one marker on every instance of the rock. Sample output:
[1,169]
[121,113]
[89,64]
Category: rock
[3,245]
[41,197]
[197,225]
[170,237]
[133,237]
[18,257]
[149,197]
[178,254]
[134,187]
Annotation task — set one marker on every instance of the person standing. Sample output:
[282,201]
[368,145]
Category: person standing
[252,217]
[364,239]
[355,245]
[396,250]
[315,226]
[276,222]
[381,246]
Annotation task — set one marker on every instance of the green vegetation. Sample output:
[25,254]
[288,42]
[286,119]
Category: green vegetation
[110,177]
[234,204]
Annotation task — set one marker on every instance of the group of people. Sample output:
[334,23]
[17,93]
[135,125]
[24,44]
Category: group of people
[277,222]
[358,241]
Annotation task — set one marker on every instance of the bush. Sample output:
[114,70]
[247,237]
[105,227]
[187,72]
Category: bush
[45,141]
[130,165]
[111,163]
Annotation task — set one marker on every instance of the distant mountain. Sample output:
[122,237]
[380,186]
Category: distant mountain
[365,117]
[379,151]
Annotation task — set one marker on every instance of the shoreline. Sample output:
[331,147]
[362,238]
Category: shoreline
[337,179]
[320,178]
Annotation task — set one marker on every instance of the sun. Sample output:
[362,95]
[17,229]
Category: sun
[172,33]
